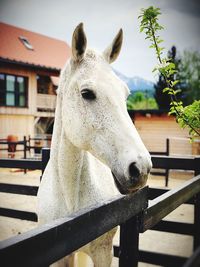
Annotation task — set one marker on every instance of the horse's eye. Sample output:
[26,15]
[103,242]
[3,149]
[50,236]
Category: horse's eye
[88,94]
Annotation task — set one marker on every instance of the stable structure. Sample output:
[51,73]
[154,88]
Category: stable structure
[155,126]
[30,64]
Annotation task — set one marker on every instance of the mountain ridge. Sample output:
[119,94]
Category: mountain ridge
[136,83]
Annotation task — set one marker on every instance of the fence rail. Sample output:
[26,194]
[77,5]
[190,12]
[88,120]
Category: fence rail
[31,164]
[22,189]
[19,189]
[27,144]
[166,203]
[44,245]
[47,244]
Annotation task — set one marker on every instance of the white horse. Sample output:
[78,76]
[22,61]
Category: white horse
[95,146]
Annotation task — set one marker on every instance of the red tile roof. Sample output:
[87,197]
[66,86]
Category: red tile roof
[47,52]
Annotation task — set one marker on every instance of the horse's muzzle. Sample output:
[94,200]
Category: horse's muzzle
[132,181]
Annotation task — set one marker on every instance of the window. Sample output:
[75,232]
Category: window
[26,43]
[13,90]
[43,84]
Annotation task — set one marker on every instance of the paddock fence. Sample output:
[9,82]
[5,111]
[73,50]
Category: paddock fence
[28,164]
[162,172]
[46,244]
[30,146]
[13,147]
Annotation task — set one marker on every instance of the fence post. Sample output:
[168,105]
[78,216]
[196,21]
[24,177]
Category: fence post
[196,241]
[25,147]
[129,242]
[167,170]
[45,158]
[25,154]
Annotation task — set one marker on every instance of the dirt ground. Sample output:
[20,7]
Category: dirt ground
[174,244]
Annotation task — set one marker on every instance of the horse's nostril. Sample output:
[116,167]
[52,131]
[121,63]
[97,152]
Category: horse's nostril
[133,170]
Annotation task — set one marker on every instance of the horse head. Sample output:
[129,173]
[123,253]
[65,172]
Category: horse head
[94,113]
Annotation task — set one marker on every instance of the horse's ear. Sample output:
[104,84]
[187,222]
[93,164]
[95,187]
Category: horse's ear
[112,52]
[79,43]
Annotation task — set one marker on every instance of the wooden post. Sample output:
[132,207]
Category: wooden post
[29,143]
[129,242]
[25,149]
[167,170]
[196,241]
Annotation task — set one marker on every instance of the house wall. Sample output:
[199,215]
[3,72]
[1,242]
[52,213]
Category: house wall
[20,121]
[32,92]
[19,125]
[154,129]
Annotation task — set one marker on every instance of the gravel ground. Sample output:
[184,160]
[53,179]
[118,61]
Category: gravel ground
[151,240]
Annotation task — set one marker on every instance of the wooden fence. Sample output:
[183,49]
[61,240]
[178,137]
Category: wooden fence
[164,172]
[12,146]
[42,246]
[30,164]
[26,145]
[37,143]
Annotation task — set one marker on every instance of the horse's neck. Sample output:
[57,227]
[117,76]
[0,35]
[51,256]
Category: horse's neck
[83,180]
[70,164]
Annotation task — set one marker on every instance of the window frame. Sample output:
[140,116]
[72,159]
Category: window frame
[4,91]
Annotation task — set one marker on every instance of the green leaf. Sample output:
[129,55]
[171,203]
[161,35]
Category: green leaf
[154,69]
[174,83]
[166,89]
[177,91]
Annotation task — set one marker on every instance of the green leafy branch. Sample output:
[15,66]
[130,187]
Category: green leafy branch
[188,116]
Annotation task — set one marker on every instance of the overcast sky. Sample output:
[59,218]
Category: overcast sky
[102,19]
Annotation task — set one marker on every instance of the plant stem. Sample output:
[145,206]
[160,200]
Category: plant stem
[173,97]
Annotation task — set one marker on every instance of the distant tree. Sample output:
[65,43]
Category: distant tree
[190,76]
[164,100]
[138,97]
[140,100]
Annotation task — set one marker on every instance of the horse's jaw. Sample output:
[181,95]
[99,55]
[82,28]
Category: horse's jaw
[122,190]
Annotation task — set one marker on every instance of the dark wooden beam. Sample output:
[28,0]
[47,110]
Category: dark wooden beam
[21,164]
[19,214]
[164,204]
[18,189]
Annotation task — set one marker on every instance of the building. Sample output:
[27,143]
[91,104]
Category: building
[155,127]
[30,64]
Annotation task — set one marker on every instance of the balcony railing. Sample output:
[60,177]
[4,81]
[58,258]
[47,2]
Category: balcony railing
[46,103]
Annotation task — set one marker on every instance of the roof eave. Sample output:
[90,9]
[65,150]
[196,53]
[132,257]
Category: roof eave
[31,65]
